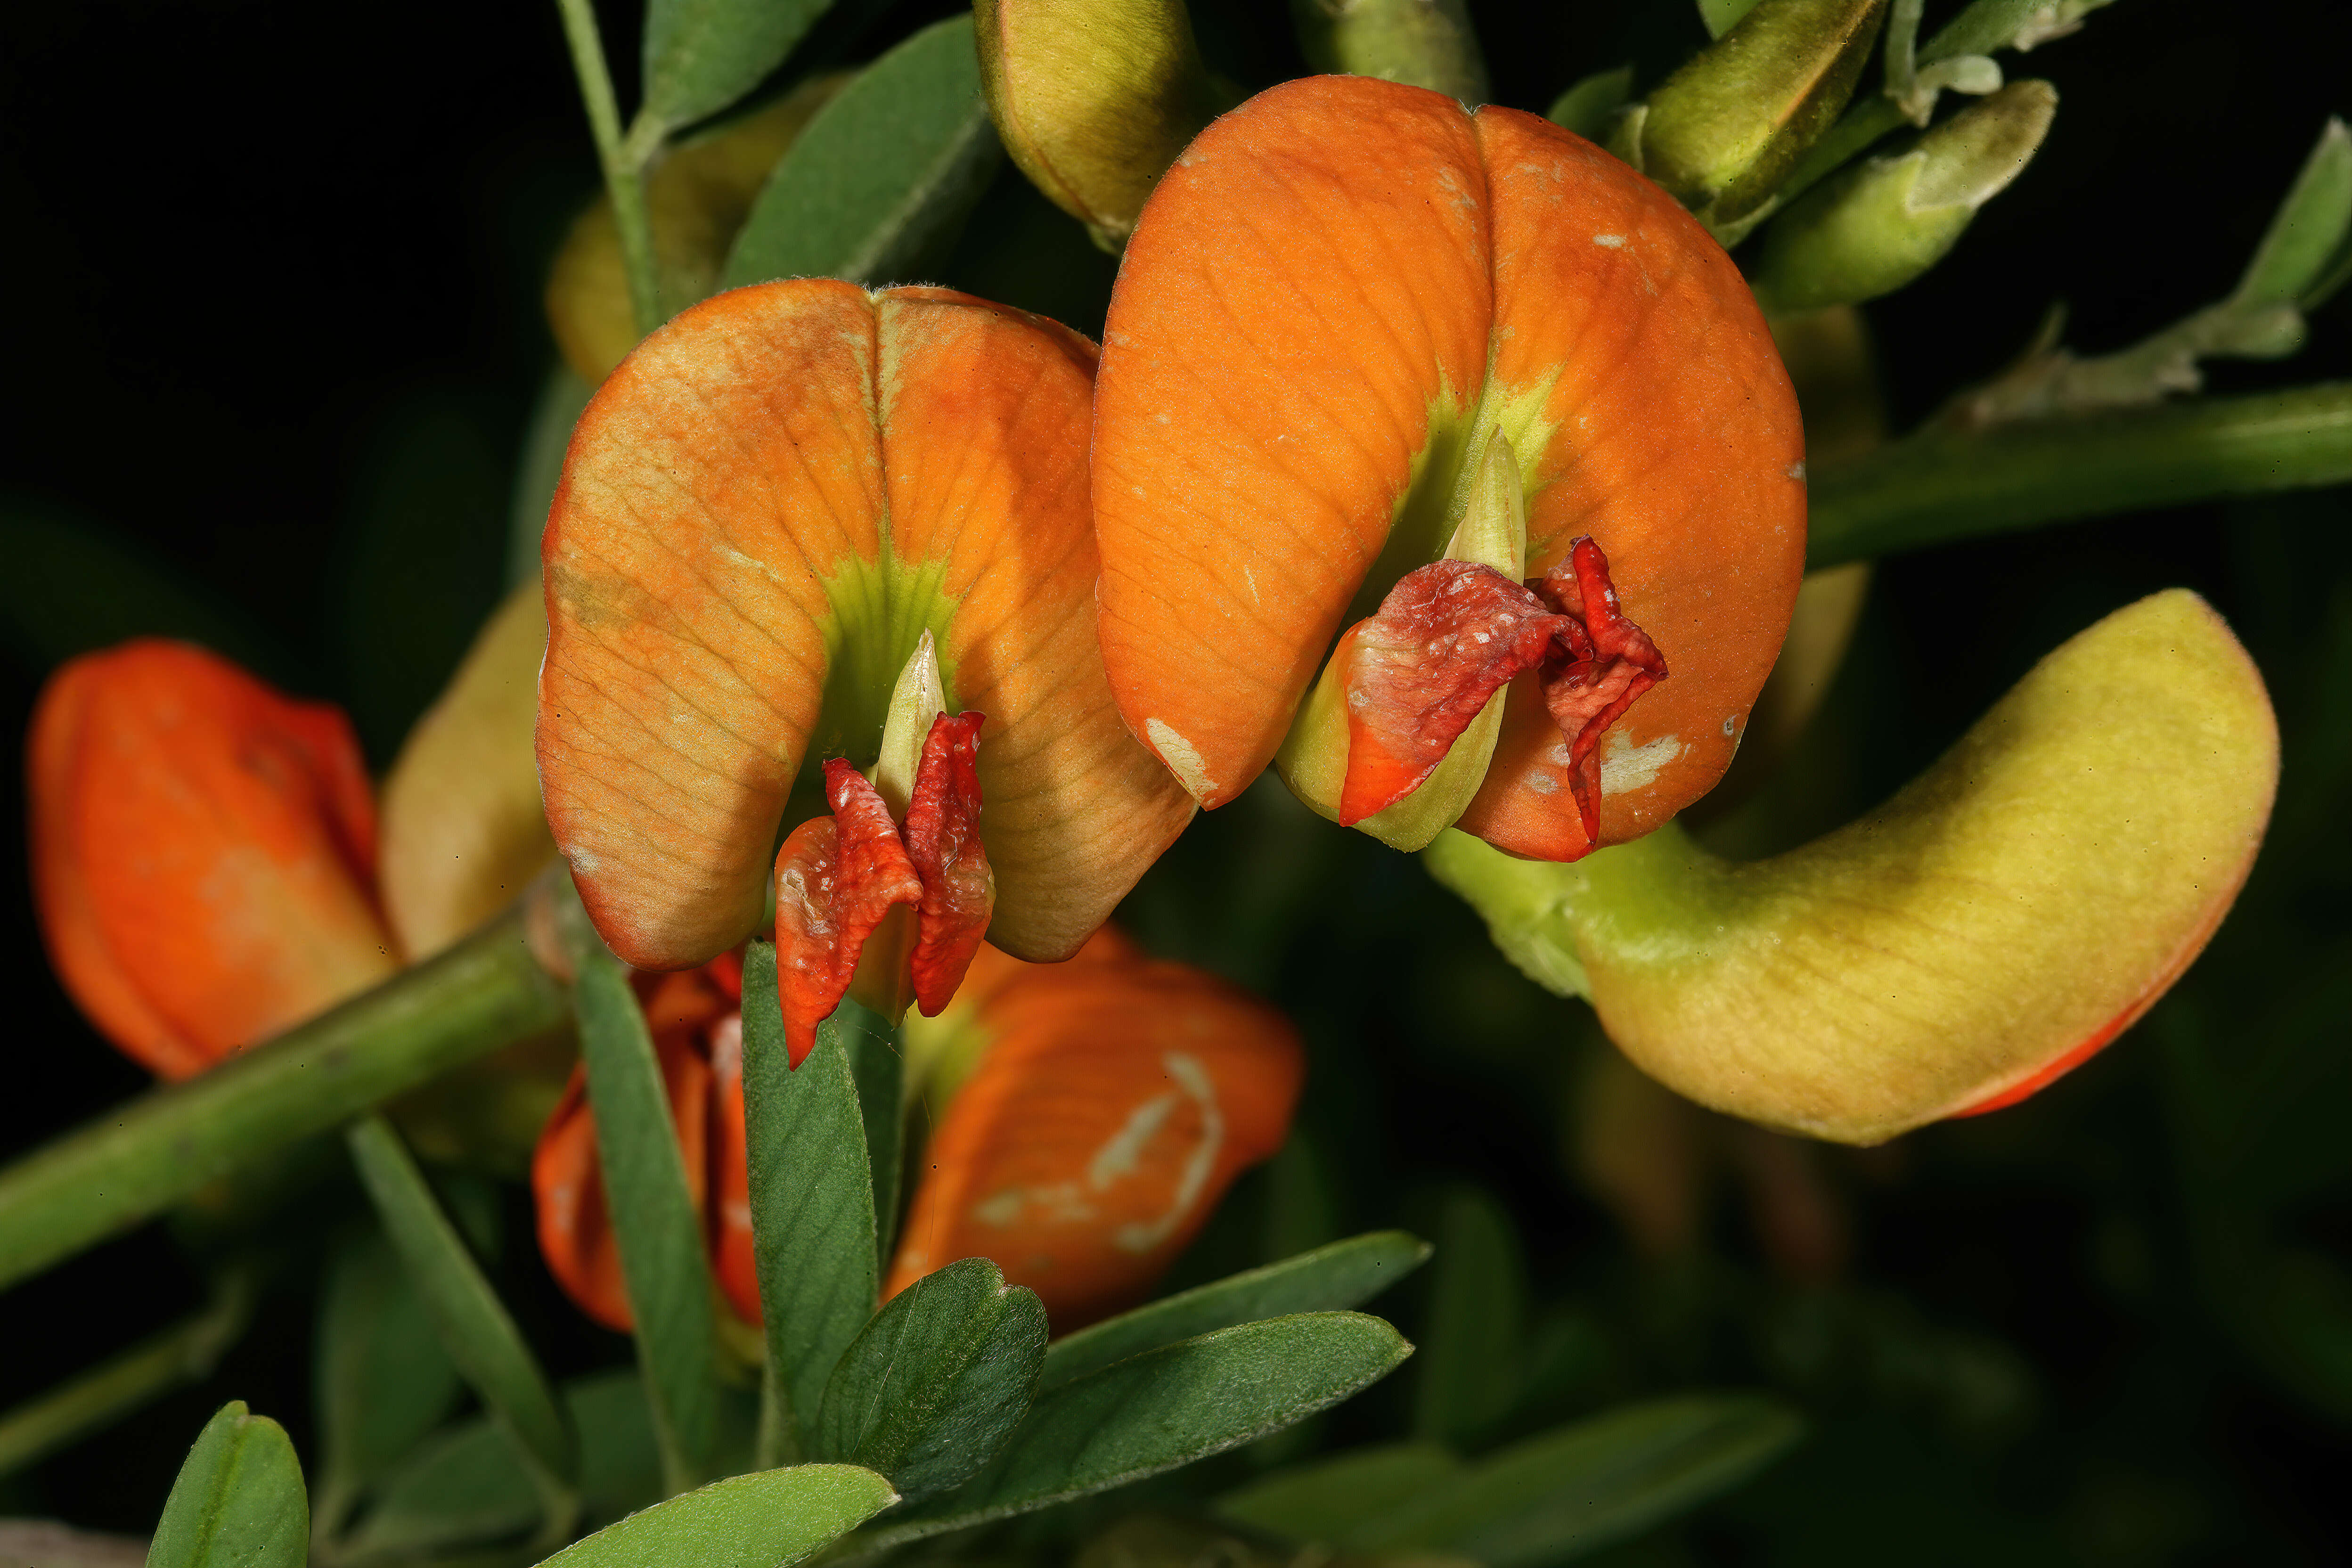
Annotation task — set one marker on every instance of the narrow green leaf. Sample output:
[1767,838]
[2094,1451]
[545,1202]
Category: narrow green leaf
[481,1339]
[380,1379]
[936,1380]
[1329,1501]
[883,171]
[812,1192]
[470,1484]
[238,1502]
[702,55]
[1589,105]
[769,1519]
[660,1236]
[1470,1368]
[1168,1407]
[73,585]
[1583,1486]
[2305,246]
[1344,1274]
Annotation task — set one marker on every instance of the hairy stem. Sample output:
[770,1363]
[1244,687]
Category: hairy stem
[132,1163]
[1943,484]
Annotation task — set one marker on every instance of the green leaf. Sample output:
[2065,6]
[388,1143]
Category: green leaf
[1470,1368]
[770,1519]
[883,171]
[470,1484]
[2304,254]
[481,1339]
[937,1381]
[1588,106]
[811,1194]
[73,585]
[1344,1274]
[380,1377]
[238,1502]
[878,1062]
[660,1235]
[561,398]
[702,55]
[1581,1487]
[1168,1407]
[1329,1501]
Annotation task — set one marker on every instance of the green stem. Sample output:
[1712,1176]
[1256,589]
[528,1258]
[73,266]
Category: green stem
[181,1354]
[1944,485]
[132,1163]
[623,160]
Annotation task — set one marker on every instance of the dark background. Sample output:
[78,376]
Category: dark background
[271,322]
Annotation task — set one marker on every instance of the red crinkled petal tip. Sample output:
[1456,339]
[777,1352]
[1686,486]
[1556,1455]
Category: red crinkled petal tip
[1448,637]
[837,877]
[1603,670]
[943,842]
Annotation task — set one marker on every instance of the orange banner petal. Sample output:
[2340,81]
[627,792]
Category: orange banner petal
[1337,288]
[203,853]
[761,510]
[1116,1104]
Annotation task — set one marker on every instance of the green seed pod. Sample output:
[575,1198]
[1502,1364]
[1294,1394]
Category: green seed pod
[1722,133]
[1875,228]
[1422,43]
[1094,98]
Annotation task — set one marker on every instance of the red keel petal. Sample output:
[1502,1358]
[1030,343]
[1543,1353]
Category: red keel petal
[837,877]
[1448,637]
[943,842]
[1609,663]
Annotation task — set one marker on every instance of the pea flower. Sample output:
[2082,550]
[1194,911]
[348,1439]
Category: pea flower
[1094,1113]
[204,853]
[1459,411]
[764,511]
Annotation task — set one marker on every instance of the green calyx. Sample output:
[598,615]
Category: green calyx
[882,613]
[2012,908]
[1725,131]
[1874,228]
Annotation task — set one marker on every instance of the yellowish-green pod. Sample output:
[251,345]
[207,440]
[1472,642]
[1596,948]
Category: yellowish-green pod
[1094,98]
[1999,920]
[1722,133]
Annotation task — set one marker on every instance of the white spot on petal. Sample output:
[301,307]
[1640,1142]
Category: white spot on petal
[1181,757]
[1626,767]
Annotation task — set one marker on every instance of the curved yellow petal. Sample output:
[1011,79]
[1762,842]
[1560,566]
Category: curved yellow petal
[2008,913]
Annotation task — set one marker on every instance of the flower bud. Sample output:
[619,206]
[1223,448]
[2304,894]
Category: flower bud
[699,197]
[1113,1100]
[1722,133]
[1094,98]
[463,833]
[1421,43]
[1988,929]
[1875,228]
[203,853]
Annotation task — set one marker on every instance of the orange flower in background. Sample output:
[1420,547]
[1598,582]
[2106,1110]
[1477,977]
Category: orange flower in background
[1099,1108]
[204,853]
[763,511]
[1113,1100]
[1378,365]
[697,1021]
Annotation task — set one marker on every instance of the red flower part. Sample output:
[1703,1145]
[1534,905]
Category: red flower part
[839,876]
[1452,634]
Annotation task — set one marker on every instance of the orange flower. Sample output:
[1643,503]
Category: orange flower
[1100,1108]
[1113,1101]
[1379,365]
[697,1021]
[762,512]
[204,853]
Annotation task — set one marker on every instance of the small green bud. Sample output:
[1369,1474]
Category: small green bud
[1875,228]
[1422,43]
[1723,132]
[1094,98]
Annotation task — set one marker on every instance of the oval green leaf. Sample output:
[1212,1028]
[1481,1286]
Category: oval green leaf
[931,1388]
[884,169]
[702,55]
[238,1502]
[769,1519]
[1343,1274]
